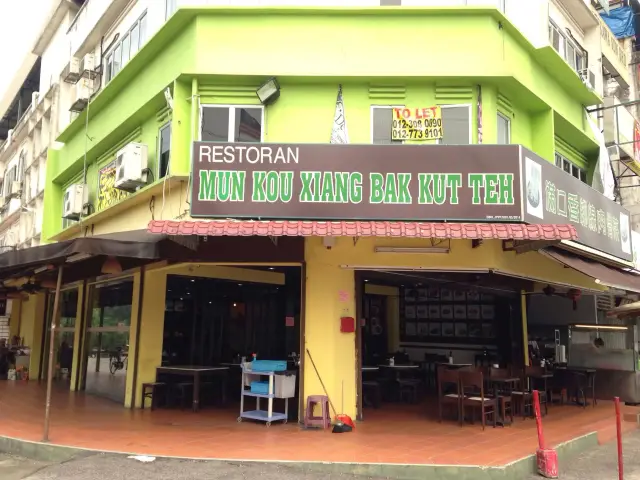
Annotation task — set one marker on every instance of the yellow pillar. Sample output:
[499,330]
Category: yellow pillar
[77,339]
[133,333]
[14,318]
[31,329]
[330,294]
[151,330]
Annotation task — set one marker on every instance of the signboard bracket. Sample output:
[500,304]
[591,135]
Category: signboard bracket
[274,240]
[355,241]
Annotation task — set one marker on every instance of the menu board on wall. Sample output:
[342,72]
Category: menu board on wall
[108,195]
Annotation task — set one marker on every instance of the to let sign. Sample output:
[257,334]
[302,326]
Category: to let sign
[416,123]
[390,182]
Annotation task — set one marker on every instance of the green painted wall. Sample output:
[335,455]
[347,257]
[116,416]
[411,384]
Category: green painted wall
[209,55]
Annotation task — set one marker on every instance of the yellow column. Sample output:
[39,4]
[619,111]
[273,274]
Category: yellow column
[330,294]
[133,334]
[525,333]
[77,339]
[14,318]
[31,328]
[151,330]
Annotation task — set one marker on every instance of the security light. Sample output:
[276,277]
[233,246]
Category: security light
[269,91]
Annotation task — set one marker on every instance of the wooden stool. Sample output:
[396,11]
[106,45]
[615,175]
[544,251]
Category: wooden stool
[149,390]
[324,420]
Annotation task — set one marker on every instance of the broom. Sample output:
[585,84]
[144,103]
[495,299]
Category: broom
[340,426]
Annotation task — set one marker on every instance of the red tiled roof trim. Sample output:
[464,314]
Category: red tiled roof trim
[293,228]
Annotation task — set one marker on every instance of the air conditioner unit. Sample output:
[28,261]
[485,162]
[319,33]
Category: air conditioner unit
[88,66]
[83,93]
[131,160]
[588,78]
[71,72]
[75,198]
[15,189]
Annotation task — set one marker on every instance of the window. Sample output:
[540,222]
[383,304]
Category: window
[170,7]
[231,123]
[129,44]
[571,168]
[164,150]
[456,125]
[504,129]
[573,53]
[381,123]
[9,178]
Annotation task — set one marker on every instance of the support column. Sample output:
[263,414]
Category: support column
[32,313]
[133,333]
[151,330]
[77,338]
[525,332]
[14,317]
[330,294]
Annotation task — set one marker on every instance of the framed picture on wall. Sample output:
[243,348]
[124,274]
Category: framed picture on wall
[433,293]
[474,330]
[423,294]
[446,311]
[488,297]
[448,329]
[473,312]
[423,329]
[435,329]
[422,311]
[459,296]
[410,329]
[460,312]
[473,296]
[488,331]
[410,294]
[446,295]
[434,311]
[409,311]
[461,330]
[488,312]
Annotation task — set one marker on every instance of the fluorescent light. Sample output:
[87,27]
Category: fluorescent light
[43,269]
[412,249]
[269,91]
[78,257]
[602,327]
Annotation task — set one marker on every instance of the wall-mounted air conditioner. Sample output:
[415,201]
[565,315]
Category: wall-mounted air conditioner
[588,78]
[71,71]
[131,160]
[83,94]
[88,66]
[75,198]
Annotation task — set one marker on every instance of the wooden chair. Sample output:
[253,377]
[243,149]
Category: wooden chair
[504,394]
[538,384]
[449,391]
[152,390]
[474,382]
[372,392]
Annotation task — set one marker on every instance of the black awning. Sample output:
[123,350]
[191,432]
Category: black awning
[604,275]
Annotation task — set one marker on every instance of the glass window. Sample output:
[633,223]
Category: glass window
[382,120]
[248,125]
[456,125]
[143,30]
[504,129]
[126,49]
[215,124]
[117,57]
[570,168]
[108,73]
[164,150]
[134,39]
[583,176]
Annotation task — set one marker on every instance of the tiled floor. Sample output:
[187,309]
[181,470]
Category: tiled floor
[410,435]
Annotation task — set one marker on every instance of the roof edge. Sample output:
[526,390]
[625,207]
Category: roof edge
[47,30]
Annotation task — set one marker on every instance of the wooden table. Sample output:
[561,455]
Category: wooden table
[194,371]
[590,373]
[370,369]
[454,366]
[494,382]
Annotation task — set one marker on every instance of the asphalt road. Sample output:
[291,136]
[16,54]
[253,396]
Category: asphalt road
[597,464]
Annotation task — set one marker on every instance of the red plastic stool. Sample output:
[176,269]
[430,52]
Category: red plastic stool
[309,419]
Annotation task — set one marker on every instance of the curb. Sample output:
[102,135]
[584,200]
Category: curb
[46,452]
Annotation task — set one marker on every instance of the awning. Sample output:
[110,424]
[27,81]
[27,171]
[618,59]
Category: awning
[604,275]
[273,228]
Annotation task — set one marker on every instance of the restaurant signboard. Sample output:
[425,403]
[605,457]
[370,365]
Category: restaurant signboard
[465,183]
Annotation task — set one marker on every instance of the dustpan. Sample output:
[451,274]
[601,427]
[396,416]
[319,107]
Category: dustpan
[344,423]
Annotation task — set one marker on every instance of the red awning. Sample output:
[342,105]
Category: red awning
[277,228]
[604,275]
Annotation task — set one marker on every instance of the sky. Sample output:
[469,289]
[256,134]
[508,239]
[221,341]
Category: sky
[20,22]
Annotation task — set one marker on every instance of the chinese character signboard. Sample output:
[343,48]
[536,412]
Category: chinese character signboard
[108,195]
[391,182]
[416,123]
[552,196]
[401,182]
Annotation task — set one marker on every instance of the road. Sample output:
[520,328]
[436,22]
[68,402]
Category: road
[597,464]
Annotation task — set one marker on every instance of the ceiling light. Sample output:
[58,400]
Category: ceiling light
[602,327]
[111,266]
[269,91]
[239,284]
[44,269]
[271,268]
[412,249]
[235,304]
[78,257]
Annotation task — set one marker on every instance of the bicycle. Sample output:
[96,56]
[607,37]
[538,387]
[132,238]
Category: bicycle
[116,361]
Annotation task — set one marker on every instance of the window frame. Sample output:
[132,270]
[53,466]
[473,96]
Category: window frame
[164,127]
[506,117]
[372,123]
[458,105]
[565,40]
[109,56]
[232,118]
[581,171]
[167,5]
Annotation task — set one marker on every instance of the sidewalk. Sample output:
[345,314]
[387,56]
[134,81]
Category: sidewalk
[601,463]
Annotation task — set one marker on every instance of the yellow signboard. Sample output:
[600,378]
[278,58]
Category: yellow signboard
[108,194]
[416,123]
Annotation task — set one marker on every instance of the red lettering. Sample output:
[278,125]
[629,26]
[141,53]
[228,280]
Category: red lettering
[406,113]
[397,112]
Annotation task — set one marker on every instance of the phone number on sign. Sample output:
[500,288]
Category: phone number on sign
[427,129]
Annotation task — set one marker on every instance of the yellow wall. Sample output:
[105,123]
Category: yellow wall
[31,329]
[15,318]
[393,312]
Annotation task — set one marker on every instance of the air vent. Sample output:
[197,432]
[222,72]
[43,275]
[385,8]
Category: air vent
[605,302]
